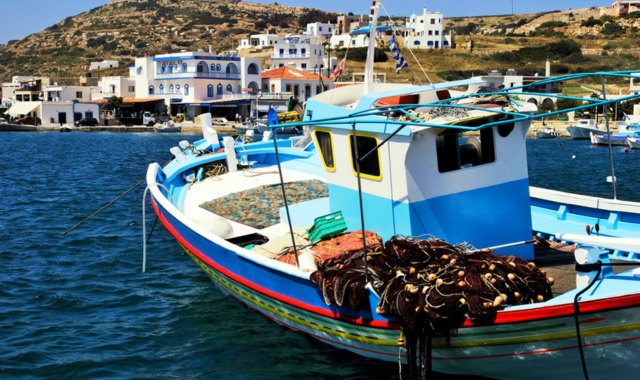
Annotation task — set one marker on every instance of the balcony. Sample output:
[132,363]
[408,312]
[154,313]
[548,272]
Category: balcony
[190,75]
[291,56]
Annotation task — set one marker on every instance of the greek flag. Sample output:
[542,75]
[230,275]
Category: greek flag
[395,52]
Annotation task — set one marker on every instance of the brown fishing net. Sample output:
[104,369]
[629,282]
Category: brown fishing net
[432,285]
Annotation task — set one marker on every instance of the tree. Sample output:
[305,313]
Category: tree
[114,103]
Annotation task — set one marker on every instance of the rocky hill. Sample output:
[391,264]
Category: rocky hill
[125,29]
[575,40]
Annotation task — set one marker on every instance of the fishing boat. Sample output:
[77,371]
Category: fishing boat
[405,160]
[634,142]
[167,127]
[606,139]
[547,133]
[582,130]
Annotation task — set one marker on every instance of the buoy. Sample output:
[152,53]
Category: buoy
[610,179]
[573,157]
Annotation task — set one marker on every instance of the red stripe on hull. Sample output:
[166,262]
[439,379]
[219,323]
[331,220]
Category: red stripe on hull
[503,317]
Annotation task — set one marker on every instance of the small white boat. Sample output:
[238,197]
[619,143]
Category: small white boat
[633,142]
[583,128]
[605,139]
[547,133]
[167,127]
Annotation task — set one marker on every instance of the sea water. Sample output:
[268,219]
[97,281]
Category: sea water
[78,306]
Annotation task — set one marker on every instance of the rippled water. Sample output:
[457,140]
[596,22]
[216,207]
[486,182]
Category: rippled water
[77,306]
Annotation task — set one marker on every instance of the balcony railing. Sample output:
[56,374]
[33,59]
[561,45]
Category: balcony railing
[208,75]
[291,56]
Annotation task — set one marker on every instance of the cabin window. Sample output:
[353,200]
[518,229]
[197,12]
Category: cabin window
[458,150]
[325,145]
[369,167]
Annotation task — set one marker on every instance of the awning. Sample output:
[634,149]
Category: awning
[22,108]
[216,102]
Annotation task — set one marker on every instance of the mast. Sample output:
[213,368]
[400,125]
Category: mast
[368,69]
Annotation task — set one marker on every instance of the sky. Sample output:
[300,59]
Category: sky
[23,17]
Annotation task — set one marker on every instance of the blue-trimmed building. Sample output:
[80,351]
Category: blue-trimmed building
[196,82]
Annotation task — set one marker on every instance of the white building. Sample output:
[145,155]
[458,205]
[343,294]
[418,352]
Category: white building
[122,87]
[55,93]
[300,84]
[106,64]
[320,29]
[300,52]
[426,31]
[260,41]
[338,41]
[511,79]
[197,82]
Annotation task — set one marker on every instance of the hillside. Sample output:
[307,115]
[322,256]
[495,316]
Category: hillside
[125,29]
[574,40]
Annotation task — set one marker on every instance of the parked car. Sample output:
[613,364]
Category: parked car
[87,122]
[29,120]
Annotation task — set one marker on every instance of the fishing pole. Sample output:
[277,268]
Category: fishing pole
[502,246]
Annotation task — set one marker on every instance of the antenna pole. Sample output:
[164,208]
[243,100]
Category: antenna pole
[606,120]
[368,70]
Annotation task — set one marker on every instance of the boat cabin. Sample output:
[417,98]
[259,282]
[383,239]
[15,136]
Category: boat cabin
[458,185]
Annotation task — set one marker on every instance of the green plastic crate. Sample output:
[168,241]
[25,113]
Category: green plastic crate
[326,226]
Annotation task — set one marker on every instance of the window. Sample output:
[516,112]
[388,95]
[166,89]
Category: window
[288,88]
[210,91]
[186,89]
[219,89]
[213,67]
[151,90]
[163,69]
[304,65]
[325,144]
[218,67]
[161,89]
[303,51]
[88,114]
[78,94]
[459,150]
[232,68]
[370,167]
[229,88]
[433,21]
[132,88]
[171,89]
[177,88]
[253,69]
[184,67]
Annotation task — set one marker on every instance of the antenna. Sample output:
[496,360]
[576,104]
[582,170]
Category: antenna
[512,7]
